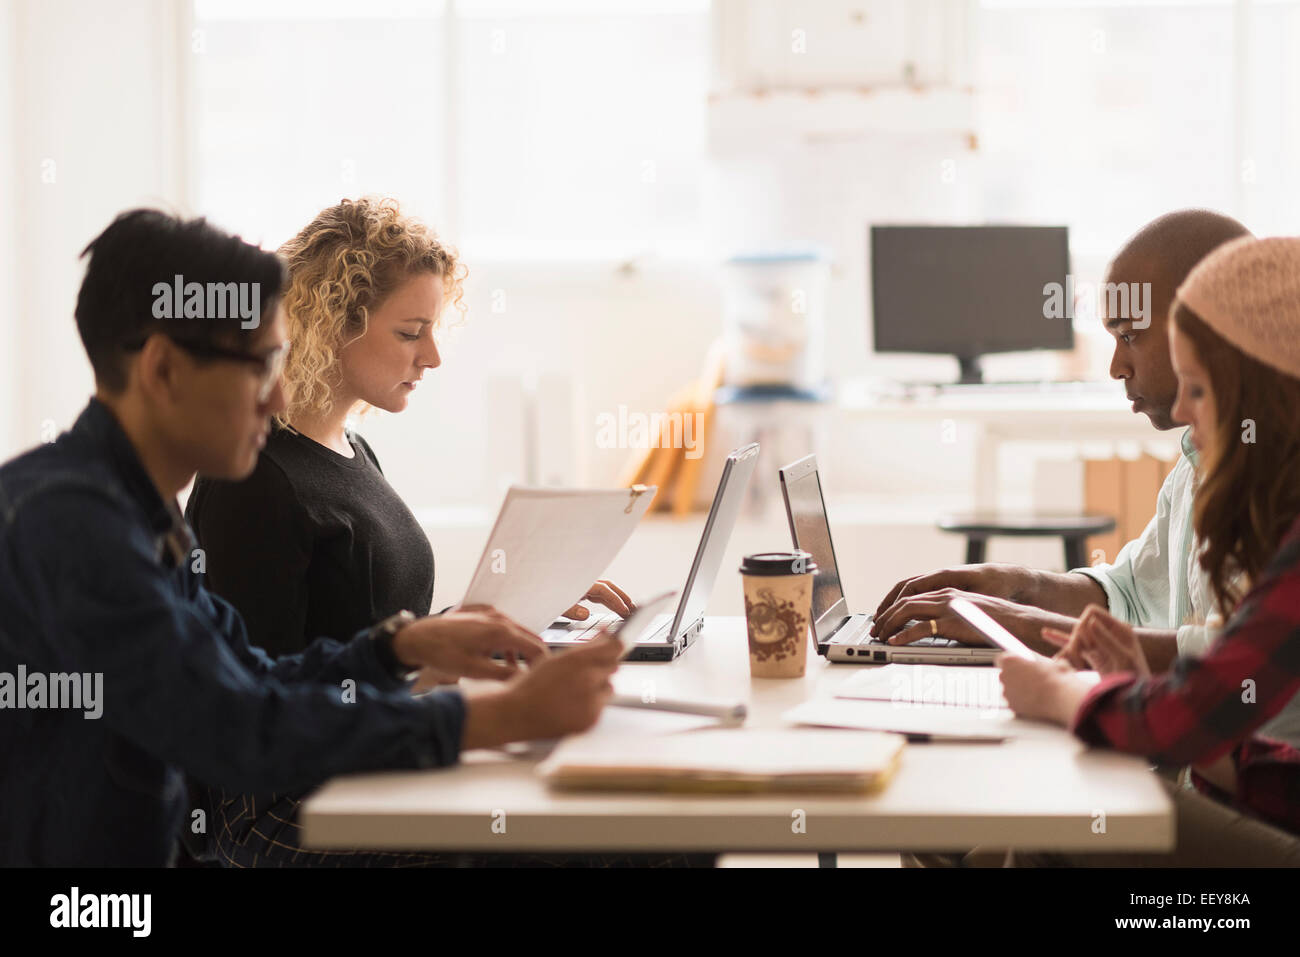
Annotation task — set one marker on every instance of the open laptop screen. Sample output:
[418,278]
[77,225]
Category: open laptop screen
[717,533]
[812,533]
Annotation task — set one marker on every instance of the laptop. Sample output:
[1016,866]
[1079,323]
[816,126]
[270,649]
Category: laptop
[842,636]
[671,634]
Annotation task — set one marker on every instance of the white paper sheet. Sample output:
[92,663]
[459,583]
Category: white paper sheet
[549,546]
[962,724]
[949,685]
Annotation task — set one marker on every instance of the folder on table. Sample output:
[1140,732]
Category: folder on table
[549,546]
[727,760]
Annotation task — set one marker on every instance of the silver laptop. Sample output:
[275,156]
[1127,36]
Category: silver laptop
[842,636]
[671,634]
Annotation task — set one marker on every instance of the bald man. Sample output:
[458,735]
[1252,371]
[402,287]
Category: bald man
[1155,582]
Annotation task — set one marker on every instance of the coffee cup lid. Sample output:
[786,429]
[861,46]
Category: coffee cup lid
[794,562]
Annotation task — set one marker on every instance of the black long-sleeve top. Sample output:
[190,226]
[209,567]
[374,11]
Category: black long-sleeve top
[312,543]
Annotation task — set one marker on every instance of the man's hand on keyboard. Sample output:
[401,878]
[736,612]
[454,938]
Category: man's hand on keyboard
[1024,621]
[1000,581]
[605,593]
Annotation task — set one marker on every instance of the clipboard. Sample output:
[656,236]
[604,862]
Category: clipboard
[549,546]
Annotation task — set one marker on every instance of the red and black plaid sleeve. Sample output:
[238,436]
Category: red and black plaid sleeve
[1268,780]
[1204,708]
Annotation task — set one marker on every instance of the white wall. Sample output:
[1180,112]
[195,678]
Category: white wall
[9,364]
[94,126]
[8,200]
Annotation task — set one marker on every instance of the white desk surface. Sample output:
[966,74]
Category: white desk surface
[1044,792]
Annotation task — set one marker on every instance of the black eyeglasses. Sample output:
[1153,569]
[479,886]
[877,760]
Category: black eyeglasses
[271,363]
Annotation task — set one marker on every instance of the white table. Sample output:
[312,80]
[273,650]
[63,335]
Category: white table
[1045,792]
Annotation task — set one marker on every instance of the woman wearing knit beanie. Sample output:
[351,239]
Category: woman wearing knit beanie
[1235,340]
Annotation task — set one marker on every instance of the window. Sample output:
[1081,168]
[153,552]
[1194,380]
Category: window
[1104,117]
[522,130]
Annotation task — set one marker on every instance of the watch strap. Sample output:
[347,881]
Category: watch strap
[382,635]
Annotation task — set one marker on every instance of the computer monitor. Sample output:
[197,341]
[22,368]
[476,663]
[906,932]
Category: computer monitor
[968,290]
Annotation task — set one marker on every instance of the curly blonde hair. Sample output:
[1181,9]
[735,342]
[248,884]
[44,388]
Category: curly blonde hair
[342,266]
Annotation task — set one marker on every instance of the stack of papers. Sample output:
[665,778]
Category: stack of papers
[727,760]
[930,702]
[924,721]
[953,686]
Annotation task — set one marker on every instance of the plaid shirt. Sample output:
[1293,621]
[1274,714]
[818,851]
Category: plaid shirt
[1208,707]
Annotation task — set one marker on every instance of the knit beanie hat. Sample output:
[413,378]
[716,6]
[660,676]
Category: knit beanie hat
[1248,291]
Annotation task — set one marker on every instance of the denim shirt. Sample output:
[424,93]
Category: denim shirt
[96,578]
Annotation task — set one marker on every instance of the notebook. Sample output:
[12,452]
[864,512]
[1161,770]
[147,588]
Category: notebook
[727,761]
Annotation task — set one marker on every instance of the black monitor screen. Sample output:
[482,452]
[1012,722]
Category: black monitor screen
[968,290]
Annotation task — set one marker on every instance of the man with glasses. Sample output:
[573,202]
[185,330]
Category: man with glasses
[268,366]
[99,576]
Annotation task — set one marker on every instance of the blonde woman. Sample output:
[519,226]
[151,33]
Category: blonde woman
[316,542]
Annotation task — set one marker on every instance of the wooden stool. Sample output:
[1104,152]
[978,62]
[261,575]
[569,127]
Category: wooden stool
[1074,531]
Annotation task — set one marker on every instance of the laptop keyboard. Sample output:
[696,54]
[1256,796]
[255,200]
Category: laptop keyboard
[857,632]
[586,630]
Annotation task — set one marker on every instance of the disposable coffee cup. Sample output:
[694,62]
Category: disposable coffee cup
[778,610]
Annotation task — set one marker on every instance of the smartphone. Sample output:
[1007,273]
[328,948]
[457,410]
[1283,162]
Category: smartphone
[630,629]
[998,636]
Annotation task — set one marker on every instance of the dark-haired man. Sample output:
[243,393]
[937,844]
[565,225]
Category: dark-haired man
[99,577]
[1155,582]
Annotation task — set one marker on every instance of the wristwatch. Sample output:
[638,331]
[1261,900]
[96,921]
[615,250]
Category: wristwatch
[382,635]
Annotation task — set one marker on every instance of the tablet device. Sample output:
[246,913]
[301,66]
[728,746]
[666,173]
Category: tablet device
[998,636]
[631,629]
